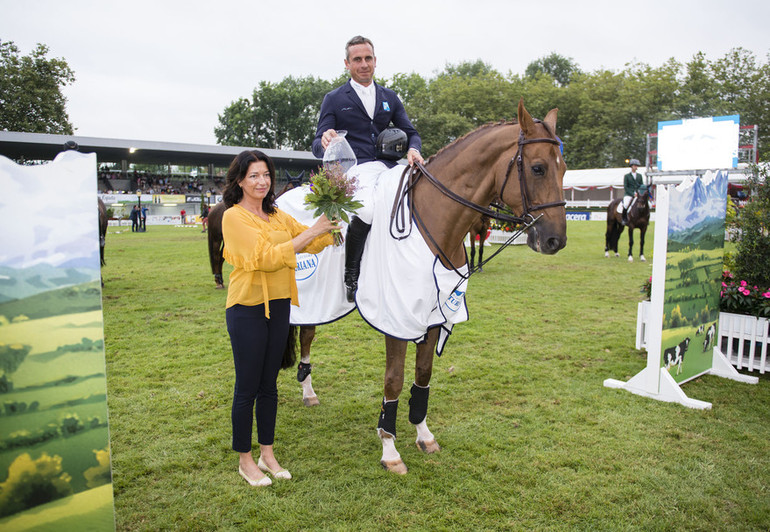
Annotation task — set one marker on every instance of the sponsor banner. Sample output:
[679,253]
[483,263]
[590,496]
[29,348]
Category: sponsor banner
[582,216]
[111,199]
[152,219]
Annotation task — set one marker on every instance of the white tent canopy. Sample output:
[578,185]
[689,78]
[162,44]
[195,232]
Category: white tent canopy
[597,187]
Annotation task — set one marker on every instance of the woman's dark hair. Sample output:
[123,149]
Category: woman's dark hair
[237,171]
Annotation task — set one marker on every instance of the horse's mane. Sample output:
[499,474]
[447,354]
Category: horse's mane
[479,130]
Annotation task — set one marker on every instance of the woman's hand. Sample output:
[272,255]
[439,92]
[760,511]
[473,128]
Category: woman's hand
[324,225]
[321,226]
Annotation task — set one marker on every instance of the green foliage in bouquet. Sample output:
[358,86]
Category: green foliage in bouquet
[331,193]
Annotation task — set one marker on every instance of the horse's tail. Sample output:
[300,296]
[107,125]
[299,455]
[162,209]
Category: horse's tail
[290,352]
[215,240]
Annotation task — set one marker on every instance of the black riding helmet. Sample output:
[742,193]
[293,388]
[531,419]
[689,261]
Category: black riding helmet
[392,144]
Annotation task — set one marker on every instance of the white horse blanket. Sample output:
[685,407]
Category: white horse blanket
[403,289]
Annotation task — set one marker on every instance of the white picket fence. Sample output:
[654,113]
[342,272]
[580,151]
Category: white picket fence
[744,340]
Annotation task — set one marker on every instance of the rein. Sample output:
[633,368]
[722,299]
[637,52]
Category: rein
[418,170]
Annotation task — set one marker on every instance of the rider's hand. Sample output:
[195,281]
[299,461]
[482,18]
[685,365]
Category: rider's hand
[328,135]
[413,155]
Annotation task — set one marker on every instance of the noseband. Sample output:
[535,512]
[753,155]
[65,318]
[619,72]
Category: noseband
[527,219]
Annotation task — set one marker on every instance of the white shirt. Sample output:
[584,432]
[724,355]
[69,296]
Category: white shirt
[367,95]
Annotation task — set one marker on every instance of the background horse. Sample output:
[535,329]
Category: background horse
[102,231]
[522,166]
[480,227]
[638,218]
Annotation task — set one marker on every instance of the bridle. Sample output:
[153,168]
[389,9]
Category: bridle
[415,172]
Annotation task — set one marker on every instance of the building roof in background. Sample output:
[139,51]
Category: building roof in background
[43,146]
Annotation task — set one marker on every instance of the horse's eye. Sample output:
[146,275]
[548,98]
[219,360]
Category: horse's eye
[538,170]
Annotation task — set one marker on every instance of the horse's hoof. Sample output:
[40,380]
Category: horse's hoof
[428,447]
[311,401]
[607,254]
[394,466]
[617,254]
[641,258]
[220,287]
[630,258]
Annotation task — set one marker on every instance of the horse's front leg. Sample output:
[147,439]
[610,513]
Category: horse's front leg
[418,403]
[642,232]
[395,354]
[630,244]
[306,335]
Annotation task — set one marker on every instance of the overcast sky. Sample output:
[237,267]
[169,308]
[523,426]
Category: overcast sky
[165,69]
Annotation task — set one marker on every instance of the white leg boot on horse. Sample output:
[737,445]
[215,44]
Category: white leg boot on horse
[306,335]
[386,430]
[418,402]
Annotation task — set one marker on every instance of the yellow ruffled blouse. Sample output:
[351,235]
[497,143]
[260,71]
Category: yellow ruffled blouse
[263,257]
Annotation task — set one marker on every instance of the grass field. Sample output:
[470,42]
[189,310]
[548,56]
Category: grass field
[531,440]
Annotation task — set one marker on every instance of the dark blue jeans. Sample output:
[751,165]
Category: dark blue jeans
[258,344]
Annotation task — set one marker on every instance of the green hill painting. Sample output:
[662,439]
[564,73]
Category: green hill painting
[54,443]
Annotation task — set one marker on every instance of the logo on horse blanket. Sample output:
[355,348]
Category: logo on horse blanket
[675,355]
[307,265]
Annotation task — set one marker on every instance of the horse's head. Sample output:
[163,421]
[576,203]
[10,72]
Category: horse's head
[532,184]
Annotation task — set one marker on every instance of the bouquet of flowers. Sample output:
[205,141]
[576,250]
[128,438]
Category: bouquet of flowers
[331,193]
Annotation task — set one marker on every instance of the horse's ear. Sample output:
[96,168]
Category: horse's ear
[550,120]
[525,120]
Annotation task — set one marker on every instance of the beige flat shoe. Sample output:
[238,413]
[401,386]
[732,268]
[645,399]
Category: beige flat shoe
[282,474]
[264,481]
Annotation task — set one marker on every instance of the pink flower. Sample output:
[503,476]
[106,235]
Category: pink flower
[744,291]
[766,294]
[744,283]
[724,284]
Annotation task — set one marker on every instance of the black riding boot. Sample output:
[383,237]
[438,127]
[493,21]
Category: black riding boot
[355,239]
[624,221]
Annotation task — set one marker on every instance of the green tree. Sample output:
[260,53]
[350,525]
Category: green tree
[33,482]
[31,100]
[279,115]
[752,253]
[558,68]
[743,87]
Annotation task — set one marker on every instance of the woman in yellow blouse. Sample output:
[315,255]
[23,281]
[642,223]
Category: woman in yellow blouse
[261,243]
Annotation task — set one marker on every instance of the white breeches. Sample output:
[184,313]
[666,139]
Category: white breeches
[625,204]
[367,175]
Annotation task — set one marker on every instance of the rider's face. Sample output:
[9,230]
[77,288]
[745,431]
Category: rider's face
[361,63]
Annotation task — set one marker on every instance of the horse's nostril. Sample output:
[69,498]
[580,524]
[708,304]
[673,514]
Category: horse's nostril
[554,244]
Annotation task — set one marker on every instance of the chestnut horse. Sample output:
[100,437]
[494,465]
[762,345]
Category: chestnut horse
[480,227]
[519,163]
[638,218]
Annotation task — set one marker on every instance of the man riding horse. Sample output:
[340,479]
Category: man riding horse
[632,183]
[365,110]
